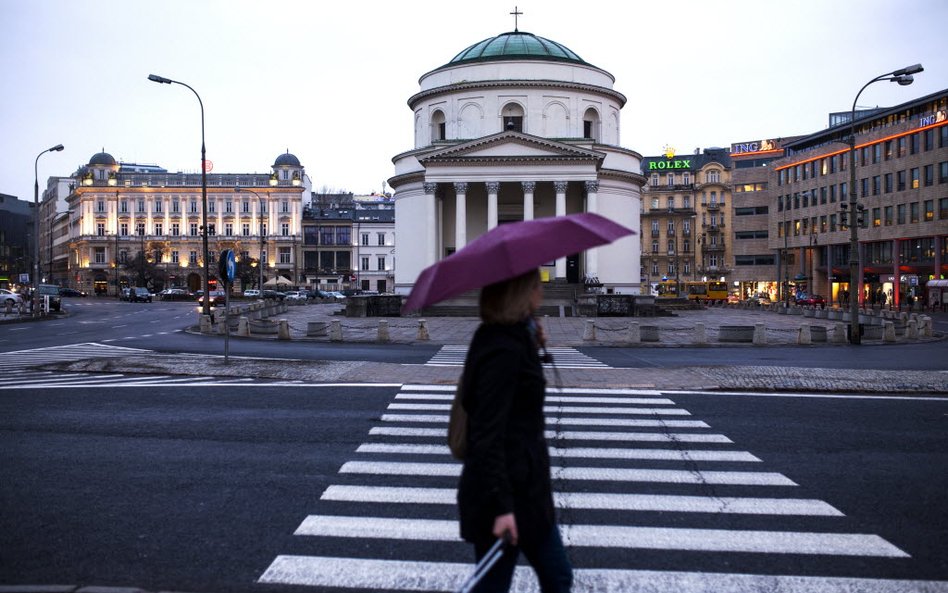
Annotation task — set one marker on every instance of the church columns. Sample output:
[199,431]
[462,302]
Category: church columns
[493,187]
[560,187]
[460,219]
[528,188]
[431,213]
[592,205]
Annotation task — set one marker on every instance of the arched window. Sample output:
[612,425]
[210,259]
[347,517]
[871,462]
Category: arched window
[591,125]
[512,117]
[714,176]
[437,126]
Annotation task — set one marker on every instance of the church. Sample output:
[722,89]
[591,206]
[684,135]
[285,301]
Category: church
[512,128]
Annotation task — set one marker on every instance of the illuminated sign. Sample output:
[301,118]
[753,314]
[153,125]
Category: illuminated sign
[938,116]
[663,165]
[757,146]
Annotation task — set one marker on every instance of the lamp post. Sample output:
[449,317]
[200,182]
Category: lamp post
[239,189]
[206,307]
[36,239]
[903,76]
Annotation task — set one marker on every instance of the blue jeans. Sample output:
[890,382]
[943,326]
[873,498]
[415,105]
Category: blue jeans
[547,557]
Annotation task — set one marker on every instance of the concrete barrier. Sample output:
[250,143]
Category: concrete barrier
[283,330]
[335,331]
[243,328]
[839,333]
[423,331]
[888,332]
[650,333]
[803,335]
[701,336]
[383,331]
[589,330]
[911,330]
[760,334]
[635,333]
[205,324]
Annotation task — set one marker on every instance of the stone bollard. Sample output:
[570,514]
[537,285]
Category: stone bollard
[888,332]
[804,338]
[205,324]
[701,335]
[335,331]
[839,333]
[383,331]
[911,330]
[926,327]
[283,330]
[423,330]
[782,310]
[635,333]
[760,334]
[589,330]
[243,327]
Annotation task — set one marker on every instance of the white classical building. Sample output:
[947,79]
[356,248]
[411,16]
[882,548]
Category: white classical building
[513,128]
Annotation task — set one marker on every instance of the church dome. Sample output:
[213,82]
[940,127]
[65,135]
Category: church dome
[287,160]
[516,45]
[102,158]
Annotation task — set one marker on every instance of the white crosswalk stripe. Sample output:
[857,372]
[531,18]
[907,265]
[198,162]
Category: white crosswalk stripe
[604,446]
[563,358]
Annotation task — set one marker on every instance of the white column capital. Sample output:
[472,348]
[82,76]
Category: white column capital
[460,187]
[430,188]
[529,186]
[560,186]
[493,187]
[592,187]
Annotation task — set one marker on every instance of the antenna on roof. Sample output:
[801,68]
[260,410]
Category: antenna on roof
[516,14]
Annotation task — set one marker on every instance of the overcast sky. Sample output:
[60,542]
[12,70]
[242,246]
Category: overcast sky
[329,80]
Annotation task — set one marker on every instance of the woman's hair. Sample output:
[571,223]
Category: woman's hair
[508,301]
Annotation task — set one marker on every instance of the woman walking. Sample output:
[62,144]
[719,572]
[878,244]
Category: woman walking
[505,488]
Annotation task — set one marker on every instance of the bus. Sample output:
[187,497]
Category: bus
[707,291]
[667,290]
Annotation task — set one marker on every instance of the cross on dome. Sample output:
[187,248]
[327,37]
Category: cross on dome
[516,14]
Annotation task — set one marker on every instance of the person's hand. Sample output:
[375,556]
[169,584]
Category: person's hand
[506,524]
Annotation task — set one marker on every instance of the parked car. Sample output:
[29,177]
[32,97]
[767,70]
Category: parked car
[335,294]
[758,299]
[218,297]
[71,292]
[252,293]
[55,298]
[139,294]
[174,294]
[8,296]
[811,300]
[272,294]
[294,295]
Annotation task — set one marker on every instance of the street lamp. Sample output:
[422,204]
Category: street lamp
[903,77]
[206,307]
[36,215]
[239,189]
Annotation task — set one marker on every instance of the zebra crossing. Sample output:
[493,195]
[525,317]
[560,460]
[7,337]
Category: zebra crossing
[564,358]
[21,359]
[632,471]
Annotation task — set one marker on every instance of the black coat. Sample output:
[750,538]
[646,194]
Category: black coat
[507,464]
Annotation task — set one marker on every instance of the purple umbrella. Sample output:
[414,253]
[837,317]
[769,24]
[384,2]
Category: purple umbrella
[508,251]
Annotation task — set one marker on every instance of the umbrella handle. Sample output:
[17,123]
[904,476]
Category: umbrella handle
[487,562]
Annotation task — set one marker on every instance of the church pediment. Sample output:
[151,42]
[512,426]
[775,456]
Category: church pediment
[507,146]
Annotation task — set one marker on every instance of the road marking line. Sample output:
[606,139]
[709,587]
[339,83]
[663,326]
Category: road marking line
[621,537]
[569,435]
[654,401]
[581,452]
[404,575]
[560,409]
[555,421]
[596,474]
[600,501]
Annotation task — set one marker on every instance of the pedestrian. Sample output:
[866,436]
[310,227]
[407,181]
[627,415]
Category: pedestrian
[505,487]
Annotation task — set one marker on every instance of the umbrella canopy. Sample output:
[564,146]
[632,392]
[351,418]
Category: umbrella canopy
[509,250]
[279,280]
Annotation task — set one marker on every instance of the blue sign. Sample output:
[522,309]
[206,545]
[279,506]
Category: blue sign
[227,266]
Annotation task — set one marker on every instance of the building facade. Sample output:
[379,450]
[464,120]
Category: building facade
[16,244]
[685,217]
[901,172]
[513,128]
[133,225]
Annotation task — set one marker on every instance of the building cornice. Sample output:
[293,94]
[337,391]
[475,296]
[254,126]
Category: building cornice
[520,84]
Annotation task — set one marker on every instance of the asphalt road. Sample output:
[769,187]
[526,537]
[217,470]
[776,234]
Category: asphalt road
[202,490]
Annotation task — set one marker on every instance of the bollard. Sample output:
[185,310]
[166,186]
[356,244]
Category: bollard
[701,335]
[635,333]
[205,324]
[283,330]
[383,331]
[589,330]
[839,333]
[760,334]
[926,328]
[911,330]
[335,331]
[243,327]
[888,331]
[804,338]
[423,330]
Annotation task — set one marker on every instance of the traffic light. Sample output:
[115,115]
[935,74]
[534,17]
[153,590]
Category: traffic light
[861,216]
[843,216]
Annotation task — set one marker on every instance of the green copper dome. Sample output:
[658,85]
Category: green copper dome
[516,45]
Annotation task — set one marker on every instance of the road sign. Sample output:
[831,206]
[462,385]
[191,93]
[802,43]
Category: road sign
[227,266]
